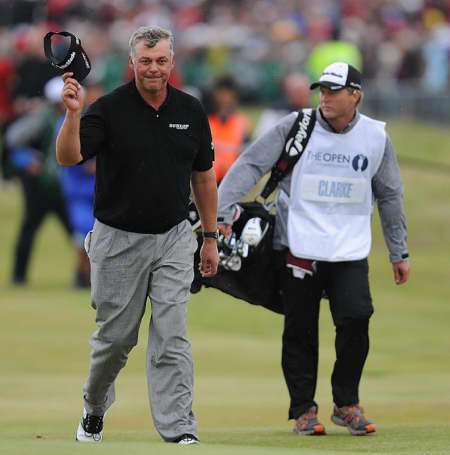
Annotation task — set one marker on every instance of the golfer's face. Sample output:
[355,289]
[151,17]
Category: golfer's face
[152,66]
[336,103]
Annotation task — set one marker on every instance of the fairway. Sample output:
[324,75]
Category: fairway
[240,397]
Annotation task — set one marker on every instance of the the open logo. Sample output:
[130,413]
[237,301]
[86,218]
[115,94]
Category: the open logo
[360,162]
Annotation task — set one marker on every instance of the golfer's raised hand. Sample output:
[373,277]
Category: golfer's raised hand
[73,93]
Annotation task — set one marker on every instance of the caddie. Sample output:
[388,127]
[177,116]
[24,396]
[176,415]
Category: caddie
[323,236]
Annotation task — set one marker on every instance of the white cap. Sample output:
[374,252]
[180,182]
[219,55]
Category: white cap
[53,90]
[339,75]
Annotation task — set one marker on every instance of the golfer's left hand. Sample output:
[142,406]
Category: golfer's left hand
[209,258]
[401,271]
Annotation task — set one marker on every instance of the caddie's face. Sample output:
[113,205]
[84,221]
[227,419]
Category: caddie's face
[152,66]
[337,104]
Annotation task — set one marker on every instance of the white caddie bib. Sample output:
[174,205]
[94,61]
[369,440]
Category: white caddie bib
[331,197]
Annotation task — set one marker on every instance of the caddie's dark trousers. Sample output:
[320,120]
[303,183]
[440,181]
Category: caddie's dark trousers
[347,287]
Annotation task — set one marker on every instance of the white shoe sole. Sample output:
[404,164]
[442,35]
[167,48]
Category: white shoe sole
[188,442]
[82,436]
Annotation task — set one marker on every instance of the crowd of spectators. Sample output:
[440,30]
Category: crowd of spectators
[256,41]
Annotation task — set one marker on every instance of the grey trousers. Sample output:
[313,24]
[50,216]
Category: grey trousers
[126,268]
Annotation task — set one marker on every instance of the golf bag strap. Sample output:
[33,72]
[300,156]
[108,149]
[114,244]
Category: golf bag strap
[295,144]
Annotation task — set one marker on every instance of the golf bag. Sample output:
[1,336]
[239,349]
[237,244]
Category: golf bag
[246,269]
[248,265]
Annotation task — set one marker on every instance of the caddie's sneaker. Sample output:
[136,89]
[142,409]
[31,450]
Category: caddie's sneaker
[90,428]
[353,418]
[307,424]
[187,439]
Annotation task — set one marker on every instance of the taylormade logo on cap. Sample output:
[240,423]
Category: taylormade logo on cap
[75,60]
[339,75]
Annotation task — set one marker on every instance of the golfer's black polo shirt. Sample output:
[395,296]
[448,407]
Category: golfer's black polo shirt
[145,157]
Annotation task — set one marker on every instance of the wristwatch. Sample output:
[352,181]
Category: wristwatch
[211,235]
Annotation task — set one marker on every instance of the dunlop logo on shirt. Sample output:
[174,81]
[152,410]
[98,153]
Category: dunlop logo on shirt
[179,126]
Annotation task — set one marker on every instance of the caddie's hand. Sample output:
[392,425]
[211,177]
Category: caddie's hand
[209,258]
[73,93]
[401,271]
[225,229]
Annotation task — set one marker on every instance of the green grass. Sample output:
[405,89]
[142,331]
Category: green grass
[423,144]
[241,400]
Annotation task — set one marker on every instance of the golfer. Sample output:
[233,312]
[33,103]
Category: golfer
[151,142]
